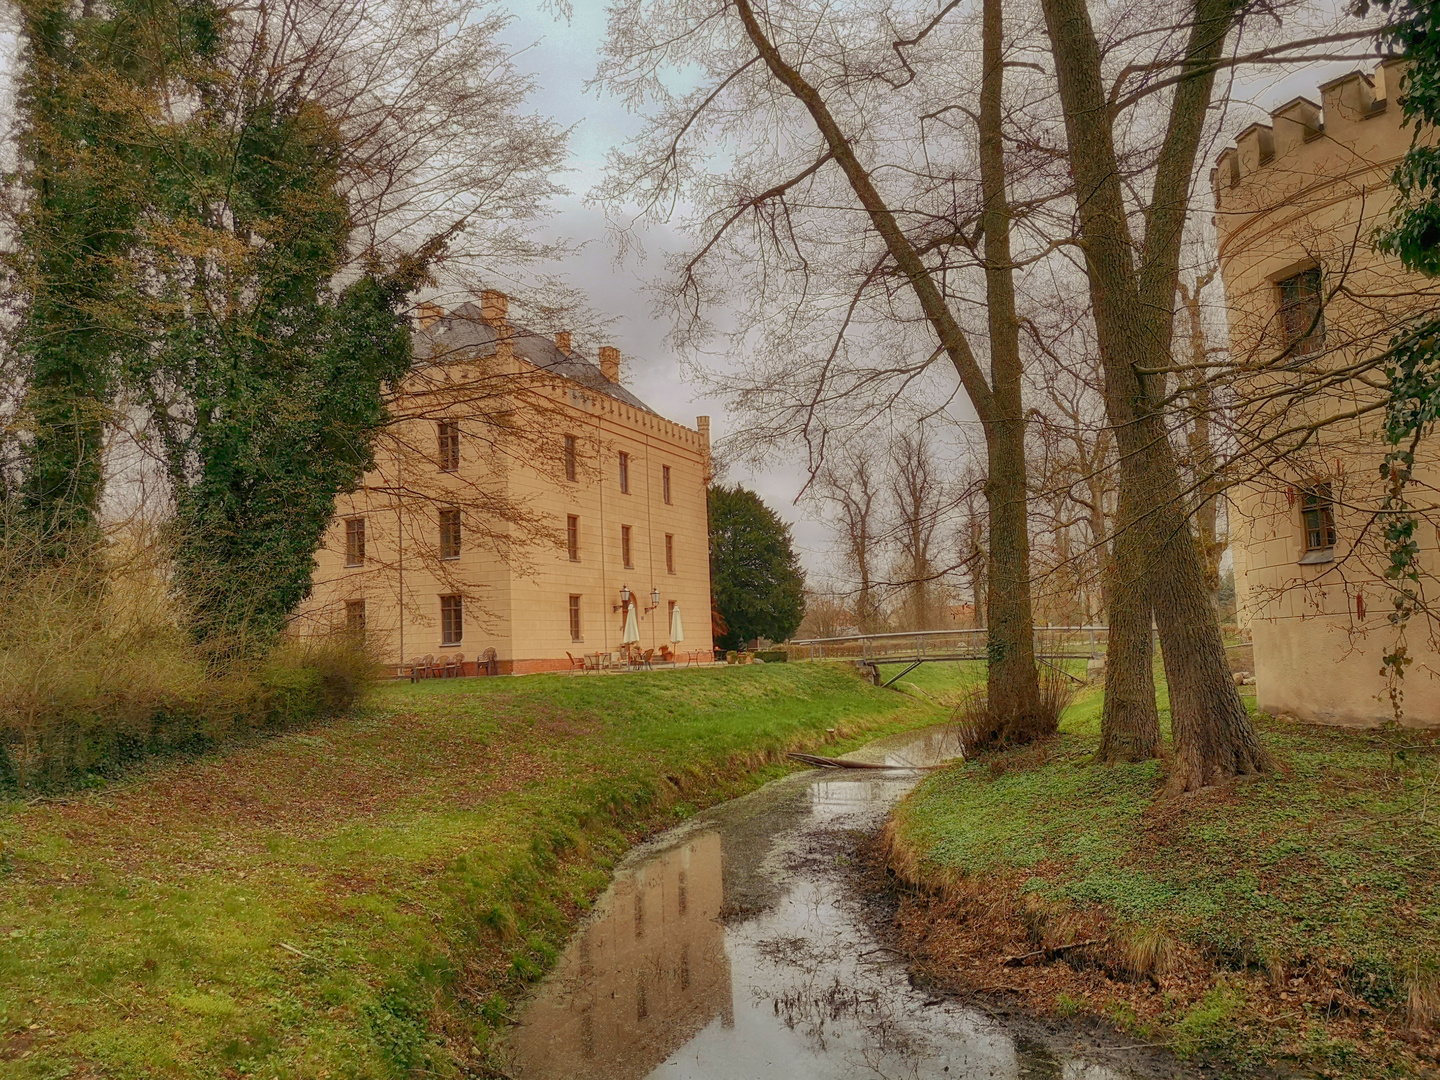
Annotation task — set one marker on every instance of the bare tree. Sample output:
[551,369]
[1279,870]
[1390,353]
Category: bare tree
[818,181]
[850,487]
[918,501]
[1132,287]
[826,613]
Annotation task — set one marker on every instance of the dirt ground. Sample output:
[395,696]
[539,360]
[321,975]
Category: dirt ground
[951,958]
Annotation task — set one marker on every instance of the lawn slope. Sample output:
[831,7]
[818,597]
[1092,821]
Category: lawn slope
[1293,921]
[366,898]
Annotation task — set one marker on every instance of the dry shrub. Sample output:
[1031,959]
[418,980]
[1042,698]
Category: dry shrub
[981,728]
[1051,924]
[1422,1003]
[96,669]
[1149,951]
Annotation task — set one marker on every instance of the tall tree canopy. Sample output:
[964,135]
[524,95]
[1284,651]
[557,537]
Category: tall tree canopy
[221,214]
[87,90]
[755,575]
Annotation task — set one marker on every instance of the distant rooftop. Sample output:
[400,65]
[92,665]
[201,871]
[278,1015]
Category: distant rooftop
[469,329]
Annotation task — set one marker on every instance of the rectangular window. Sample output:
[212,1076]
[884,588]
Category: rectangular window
[625,553]
[572,537]
[624,473]
[669,553]
[449,445]
[355,617]
[571,472]
[452,620]
[575,619]
[665,482]
[1317,510]
[449,534]
[1300,312]
[354,541]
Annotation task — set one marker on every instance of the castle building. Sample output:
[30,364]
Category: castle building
[1310,305]
[522,501]
[646,975]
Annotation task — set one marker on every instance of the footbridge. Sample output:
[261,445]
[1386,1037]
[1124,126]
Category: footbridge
[1052,645]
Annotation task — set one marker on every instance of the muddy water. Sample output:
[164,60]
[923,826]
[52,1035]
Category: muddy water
[733,948]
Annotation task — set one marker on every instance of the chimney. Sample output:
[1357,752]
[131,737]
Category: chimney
[427,314]
[493,307]
[610,363]
[562,341]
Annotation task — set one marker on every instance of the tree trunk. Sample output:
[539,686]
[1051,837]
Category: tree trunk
[1213,735]
[1012,683]
[1206,482]
[1214,738]
[1129,721]
[1012,679]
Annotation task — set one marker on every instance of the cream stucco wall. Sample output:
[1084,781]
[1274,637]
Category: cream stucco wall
[514,572]
[1308,190]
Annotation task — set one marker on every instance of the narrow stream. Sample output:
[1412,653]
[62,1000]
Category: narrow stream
[731,948]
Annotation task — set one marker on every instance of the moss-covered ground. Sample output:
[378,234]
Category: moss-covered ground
[1291,922]
[367,898]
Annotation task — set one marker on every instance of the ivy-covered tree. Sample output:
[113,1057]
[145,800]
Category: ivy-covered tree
[265,383]
[755,576]
[88,83]
[1413,233]
[222,212]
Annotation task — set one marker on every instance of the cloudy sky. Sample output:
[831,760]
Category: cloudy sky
[563,55]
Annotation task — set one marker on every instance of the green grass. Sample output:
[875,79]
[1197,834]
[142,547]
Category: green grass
[367,898]
[945,682]
[1326,873]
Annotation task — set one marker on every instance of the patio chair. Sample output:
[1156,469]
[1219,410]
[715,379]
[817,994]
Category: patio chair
[576,665]
[416,671]
[490,661]
[457,665]
[646,658]
[442,665]
[429,666]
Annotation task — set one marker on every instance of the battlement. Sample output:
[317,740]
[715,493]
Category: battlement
[1356,116]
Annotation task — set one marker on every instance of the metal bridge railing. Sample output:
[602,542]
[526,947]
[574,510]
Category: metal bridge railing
[1051,642]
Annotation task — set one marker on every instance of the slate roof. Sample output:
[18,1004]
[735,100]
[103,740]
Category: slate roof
[461,331]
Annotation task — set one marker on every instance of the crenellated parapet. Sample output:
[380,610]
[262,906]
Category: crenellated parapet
[1354,130]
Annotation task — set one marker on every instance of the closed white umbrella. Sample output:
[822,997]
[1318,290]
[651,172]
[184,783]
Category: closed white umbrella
[677,632]
[632,627]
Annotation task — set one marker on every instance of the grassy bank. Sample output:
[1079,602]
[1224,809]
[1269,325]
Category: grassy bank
[366,898]
[1292,921]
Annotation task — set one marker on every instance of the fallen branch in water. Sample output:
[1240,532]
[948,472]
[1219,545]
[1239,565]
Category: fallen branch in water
[841,763]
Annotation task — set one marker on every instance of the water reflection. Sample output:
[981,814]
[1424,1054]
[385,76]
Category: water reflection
[735,948]
[646,973]
[832,800]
